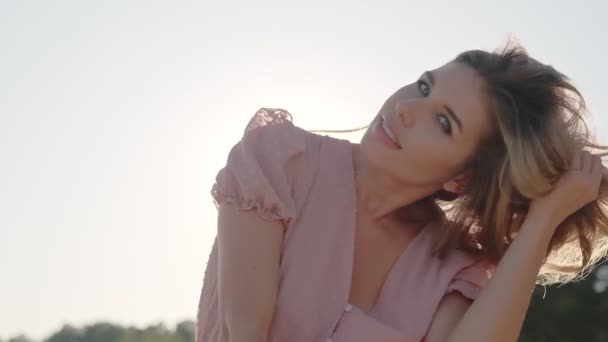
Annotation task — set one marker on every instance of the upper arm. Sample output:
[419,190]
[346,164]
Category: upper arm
[451,309]
[257,197]
[249,257]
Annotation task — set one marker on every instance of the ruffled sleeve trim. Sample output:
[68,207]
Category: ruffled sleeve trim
[270,214]
[259,172]
[266,117]
[470,280]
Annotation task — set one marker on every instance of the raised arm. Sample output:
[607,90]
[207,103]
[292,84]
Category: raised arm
[498,313]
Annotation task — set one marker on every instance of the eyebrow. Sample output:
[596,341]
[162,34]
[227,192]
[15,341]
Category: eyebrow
[431,77]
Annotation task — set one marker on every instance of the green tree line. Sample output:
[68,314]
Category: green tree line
[110,332]
[576,312]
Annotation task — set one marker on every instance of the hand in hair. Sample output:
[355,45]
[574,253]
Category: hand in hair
[499,311]
[575,188]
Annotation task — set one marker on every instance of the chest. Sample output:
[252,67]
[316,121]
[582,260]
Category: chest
[376,252]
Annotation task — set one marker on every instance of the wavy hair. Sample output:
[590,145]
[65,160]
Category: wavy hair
[539,122]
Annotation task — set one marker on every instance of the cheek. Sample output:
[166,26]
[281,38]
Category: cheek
[423,143]
[429,159]
[426,158]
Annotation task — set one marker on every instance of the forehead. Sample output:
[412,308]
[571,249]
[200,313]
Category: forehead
[458,86]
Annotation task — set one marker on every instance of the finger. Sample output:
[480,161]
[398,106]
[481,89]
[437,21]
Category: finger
[586,161]
[575,163]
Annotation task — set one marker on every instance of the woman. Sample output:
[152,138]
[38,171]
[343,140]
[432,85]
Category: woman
[470,185]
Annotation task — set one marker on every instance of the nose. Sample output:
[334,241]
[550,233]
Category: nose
[405,112]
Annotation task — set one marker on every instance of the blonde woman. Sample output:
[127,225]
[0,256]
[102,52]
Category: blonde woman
[470,185]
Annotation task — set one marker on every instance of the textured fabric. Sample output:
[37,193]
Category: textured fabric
[470,280]
[307,182]
[258,173]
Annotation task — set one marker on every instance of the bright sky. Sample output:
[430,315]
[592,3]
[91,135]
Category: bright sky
[116,115]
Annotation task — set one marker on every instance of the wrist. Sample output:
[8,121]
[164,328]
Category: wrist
[545,215]
[541,224]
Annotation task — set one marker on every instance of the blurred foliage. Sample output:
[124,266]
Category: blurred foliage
[108,332]
[576,312]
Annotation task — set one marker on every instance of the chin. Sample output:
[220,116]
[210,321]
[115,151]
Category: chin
[375,153]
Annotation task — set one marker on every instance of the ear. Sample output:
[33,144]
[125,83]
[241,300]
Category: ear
[459,183]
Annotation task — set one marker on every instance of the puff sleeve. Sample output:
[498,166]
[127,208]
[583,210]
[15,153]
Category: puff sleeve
[470,280]
[261,167]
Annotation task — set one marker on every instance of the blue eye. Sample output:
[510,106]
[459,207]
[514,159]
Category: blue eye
[445,124]
[443,120]
[424,88]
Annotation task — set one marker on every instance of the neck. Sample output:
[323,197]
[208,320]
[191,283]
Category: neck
[382,197]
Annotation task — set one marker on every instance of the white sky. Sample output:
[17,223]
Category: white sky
[116,115]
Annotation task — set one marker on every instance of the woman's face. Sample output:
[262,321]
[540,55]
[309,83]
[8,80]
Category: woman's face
[426,131]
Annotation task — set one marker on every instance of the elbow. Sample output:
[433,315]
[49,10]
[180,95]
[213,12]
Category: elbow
[245,327]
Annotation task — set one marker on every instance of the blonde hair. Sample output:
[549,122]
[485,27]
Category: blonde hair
[538,117]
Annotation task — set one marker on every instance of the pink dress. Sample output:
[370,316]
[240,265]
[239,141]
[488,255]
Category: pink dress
[307,181]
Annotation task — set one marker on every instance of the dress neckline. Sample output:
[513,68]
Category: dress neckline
[352,230]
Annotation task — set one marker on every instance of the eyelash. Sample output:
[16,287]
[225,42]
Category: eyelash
[447,127]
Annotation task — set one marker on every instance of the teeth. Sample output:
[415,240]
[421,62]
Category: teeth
[388,132]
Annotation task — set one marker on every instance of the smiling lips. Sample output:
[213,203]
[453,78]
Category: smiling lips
[385,134]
